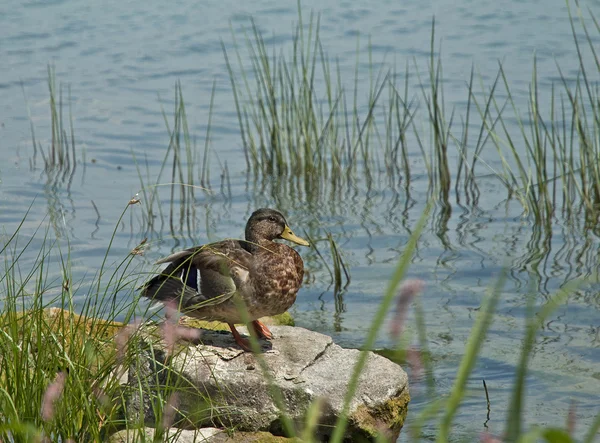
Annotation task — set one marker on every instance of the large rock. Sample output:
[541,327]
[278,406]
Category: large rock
[172,435]
[204,435]
[303,366]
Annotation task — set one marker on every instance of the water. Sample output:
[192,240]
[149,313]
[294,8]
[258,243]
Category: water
[121,61]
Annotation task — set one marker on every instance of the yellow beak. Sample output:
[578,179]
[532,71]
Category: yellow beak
[289,235]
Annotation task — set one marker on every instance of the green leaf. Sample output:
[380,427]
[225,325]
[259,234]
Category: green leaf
[554,435]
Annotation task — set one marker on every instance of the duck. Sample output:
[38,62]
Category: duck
[213,281]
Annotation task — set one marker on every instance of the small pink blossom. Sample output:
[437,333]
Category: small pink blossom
[170,410]
[413,358]
[486,437]
[571,419]
[408,291]
[52,394]
[172,332]
[122,339]
[101,396]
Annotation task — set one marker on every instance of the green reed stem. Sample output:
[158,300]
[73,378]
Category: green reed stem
[377,322]
[476,339]
[534,323]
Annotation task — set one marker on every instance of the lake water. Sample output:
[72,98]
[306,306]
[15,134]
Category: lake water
[121,61]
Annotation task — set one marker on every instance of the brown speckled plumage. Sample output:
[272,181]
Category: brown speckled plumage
[208,281]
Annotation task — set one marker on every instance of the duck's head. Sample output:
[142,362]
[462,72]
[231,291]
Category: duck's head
[269,224]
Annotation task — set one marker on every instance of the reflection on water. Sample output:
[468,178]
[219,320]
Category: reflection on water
[115,79]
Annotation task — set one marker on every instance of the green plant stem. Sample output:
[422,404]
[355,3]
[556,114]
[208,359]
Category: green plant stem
[474,344]
[378,320]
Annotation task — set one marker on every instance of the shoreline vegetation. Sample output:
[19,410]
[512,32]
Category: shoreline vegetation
[58,383]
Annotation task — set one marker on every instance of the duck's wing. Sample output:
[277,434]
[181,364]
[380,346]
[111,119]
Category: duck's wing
[201,276]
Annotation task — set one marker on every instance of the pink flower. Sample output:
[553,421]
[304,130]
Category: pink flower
[486,437]
[122,338]
[172,332]
[408,291]
[413,358]
[170,410]
[52,394]
[571,419]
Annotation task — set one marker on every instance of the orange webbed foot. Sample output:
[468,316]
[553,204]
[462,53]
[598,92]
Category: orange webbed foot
[242,342]
[261,330]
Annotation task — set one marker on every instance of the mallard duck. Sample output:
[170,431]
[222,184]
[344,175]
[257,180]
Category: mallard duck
[208,282]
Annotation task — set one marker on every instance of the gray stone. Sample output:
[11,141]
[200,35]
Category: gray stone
[206,435]
[302,366]
[145,373]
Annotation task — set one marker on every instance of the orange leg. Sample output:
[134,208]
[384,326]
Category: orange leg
[261,330]
[242,342]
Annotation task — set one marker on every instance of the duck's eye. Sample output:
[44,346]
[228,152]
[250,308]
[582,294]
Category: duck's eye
[272,219]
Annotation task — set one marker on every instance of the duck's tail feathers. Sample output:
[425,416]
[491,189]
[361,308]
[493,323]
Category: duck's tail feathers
[166,288]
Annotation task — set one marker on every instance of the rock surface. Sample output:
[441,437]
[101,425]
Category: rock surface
[173,435]
[204,435]
[303,366]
